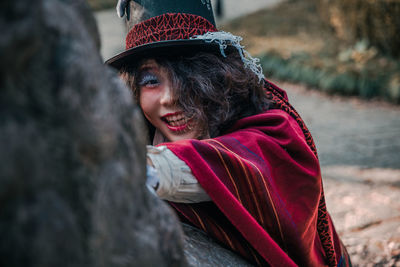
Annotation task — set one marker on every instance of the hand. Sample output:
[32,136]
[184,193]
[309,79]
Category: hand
[123,7]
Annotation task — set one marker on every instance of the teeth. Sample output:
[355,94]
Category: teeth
[176,120]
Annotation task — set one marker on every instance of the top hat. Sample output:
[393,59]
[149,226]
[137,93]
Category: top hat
[168,27]
[176,27]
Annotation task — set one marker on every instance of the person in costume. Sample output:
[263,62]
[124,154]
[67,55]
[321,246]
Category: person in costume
[228,152]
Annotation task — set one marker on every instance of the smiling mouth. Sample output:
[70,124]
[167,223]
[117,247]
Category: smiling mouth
[176,122]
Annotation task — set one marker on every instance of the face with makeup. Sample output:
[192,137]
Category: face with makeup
[159,104]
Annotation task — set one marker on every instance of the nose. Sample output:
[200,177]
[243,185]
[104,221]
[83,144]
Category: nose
[167,96]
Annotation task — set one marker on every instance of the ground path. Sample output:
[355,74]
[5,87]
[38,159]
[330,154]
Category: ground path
[359,150]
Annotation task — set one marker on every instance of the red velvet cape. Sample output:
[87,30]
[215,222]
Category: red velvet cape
[264,180]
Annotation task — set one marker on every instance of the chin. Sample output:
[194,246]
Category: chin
[172,137]
[180,137]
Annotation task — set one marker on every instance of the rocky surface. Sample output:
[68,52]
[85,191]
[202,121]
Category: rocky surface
[72,149]
[202,251]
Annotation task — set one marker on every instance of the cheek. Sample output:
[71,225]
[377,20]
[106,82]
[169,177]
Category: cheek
[148,100]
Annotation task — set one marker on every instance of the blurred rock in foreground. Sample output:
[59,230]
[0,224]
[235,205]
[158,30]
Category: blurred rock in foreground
[72,150]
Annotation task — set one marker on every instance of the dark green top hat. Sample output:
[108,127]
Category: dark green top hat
[164,27]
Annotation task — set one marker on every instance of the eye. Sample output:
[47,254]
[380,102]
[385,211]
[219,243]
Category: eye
[148,79]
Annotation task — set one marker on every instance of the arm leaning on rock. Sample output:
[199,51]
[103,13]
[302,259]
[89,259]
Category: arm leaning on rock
[176,181]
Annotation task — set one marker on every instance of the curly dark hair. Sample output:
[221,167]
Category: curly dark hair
[213,90]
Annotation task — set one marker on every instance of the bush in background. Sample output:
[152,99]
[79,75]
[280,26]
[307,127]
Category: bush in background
[367,82]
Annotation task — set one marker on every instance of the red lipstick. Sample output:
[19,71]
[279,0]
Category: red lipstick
[177,128]
[172,114]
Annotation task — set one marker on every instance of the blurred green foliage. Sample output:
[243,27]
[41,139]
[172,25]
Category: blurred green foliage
[367,82]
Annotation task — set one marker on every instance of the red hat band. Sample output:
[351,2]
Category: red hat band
[169,26]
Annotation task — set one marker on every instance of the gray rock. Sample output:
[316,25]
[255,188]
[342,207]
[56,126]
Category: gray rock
[72,149]
[201,250]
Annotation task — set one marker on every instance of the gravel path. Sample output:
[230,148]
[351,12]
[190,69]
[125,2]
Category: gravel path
[359,151]
[349,131]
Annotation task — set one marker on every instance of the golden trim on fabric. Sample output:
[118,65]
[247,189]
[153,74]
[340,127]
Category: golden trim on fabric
[198,218]
[229,173]
[265,186]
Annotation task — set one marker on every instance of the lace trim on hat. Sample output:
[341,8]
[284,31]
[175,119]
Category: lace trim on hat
[226,38]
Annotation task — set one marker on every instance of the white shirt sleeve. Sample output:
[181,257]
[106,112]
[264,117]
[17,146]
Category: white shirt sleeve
[177,183]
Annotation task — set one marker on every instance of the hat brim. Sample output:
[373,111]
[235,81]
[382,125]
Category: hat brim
[164,48]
